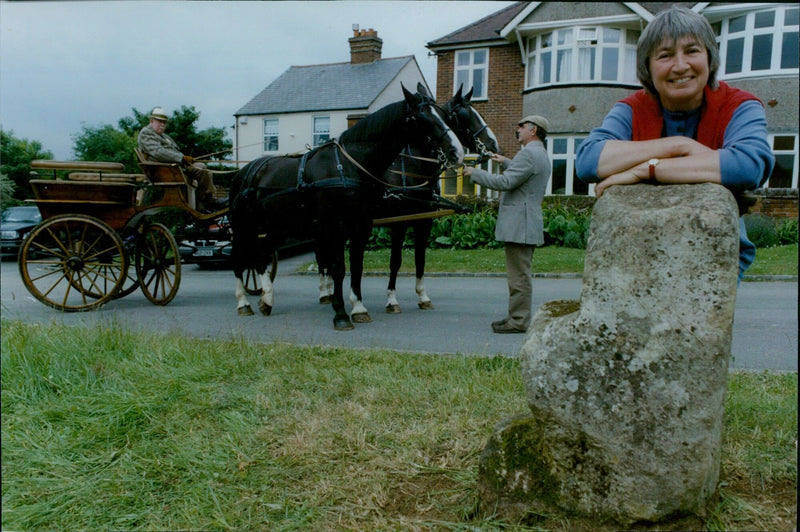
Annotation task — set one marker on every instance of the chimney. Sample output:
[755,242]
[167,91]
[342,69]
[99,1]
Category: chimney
[365,46]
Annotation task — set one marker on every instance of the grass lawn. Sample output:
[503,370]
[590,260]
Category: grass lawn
[781,260]
[106,429]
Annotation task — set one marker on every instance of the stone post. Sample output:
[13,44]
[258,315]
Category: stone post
[626,387]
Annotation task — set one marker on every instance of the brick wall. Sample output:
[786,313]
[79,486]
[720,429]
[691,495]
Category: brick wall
[503,108]
[776,202]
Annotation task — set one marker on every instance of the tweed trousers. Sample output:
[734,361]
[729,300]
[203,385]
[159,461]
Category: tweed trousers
[519,258]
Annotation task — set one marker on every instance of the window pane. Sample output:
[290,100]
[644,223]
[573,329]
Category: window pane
[532,44]
[564,65]
[560,145]
[587,34]
[762,52]
[782,174]
[544,69]
[532,71]
[559,176]
[462,79]
[765,19]
[478,75]
[462,58]
[610,63]
[630,66]
[737,24]
[717,28]
[565,36]
[733,60]
[547,40]
[791,17]
[480,57]
[783,142]
[579,188]
[789,50]
[586,63]
[611,34]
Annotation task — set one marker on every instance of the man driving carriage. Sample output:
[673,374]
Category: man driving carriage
[157,146]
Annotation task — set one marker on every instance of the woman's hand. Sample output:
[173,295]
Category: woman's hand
[631,176]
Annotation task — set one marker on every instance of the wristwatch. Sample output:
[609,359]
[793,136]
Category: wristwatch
[653,163]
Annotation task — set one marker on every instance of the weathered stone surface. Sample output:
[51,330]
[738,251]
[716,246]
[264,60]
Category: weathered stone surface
[626,387]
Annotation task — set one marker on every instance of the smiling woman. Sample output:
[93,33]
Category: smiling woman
[684,126]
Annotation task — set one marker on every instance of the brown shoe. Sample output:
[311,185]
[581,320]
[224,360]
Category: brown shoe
[498,323]
[505,328]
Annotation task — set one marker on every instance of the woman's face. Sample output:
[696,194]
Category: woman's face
[680,72]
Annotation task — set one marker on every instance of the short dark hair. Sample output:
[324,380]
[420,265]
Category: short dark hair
[671,25]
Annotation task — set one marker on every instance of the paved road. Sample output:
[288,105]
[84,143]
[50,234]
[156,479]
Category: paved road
[764,337]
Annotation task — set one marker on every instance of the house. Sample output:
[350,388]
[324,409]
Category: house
[571,61]
[309,105]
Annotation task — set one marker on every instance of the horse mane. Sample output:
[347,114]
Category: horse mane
[374,125]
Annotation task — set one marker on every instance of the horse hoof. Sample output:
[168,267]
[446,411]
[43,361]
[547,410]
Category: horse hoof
[245,311]
[342,324]
[361,317]
[425,305]
[265,309]
[393,309]
[325,300]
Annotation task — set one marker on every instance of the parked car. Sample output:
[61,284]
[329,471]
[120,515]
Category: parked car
[15,224]
[211,247]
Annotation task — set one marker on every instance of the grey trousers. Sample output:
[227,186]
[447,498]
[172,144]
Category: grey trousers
[519,258]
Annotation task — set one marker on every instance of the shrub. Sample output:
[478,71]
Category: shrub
[787,232]
[761,230]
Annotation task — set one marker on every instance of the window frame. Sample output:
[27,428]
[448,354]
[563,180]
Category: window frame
[792,152]
[314,142]
[471,67]
[583,38]
[570,175]
[276,136]
[748,35]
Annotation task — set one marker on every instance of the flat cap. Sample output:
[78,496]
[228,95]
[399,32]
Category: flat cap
[160,114]
[536,120]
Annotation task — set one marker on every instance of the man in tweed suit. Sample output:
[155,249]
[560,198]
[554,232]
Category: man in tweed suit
[519,220]
[157,146]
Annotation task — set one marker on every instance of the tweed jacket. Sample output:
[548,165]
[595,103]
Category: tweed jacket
[157,147]
[522,184]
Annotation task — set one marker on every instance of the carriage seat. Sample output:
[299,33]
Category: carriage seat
[113,178]
[166,175]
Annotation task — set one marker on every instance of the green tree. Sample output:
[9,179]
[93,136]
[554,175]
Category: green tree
[106,143]
[16,156]
[6,192]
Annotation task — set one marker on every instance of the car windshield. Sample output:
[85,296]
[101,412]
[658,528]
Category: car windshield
[21,214]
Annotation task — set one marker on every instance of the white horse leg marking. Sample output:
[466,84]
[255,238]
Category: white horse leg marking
[424,301]
[325,288]
[359,313]
[242,306]
[392,306]
[265,302]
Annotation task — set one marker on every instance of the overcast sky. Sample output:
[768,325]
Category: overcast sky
[64,65]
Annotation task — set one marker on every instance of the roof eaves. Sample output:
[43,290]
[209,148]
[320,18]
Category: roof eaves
[508,28]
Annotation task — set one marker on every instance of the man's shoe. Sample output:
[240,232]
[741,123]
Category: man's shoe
[498,323]
[505,328]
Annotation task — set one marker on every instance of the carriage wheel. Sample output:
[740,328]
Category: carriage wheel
[158,264]
[73,262]
[252,282]
[131,282]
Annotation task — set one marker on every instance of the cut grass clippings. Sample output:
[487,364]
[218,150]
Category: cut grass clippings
[104,429]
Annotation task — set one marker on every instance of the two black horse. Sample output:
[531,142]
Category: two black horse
[412,186]
[329,193]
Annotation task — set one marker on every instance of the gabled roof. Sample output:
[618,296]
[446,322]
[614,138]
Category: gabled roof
[326,87]
[486,29]
[490,28]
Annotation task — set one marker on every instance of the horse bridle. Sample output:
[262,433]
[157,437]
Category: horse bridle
[484,153]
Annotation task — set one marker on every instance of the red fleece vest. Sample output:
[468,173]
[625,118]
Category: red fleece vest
[718,108]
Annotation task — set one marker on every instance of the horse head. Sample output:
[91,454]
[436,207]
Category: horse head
[469,125]
[431,129]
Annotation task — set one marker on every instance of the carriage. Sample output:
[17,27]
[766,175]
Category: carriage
[98,239]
